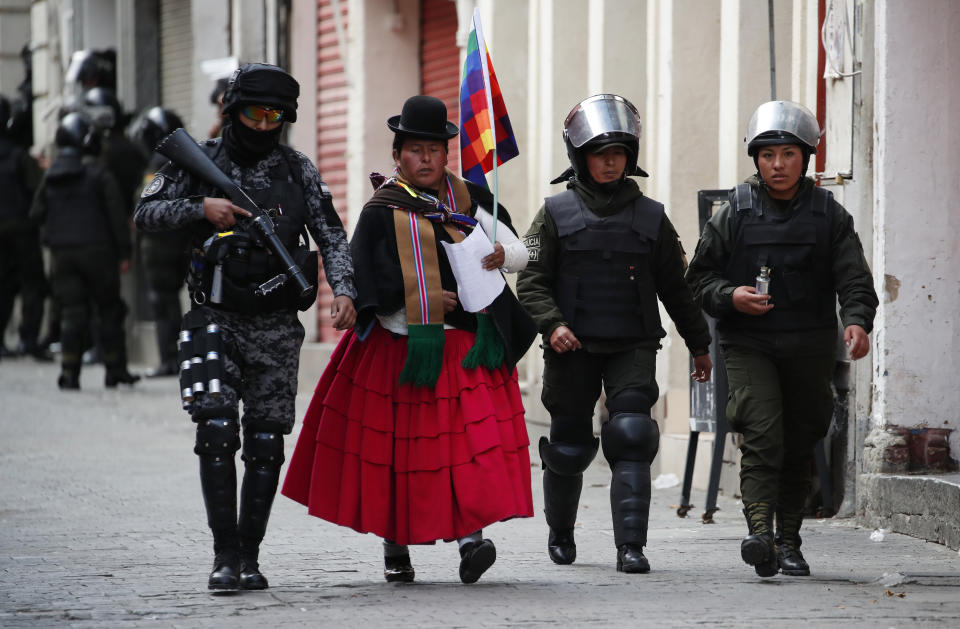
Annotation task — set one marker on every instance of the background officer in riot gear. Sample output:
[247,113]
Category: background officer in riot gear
[779,347]
[260,335]
[21,260]
[86,227]
[601,253]
[164,255]
[117,153]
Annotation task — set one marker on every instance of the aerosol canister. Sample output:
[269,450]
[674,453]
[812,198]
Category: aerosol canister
[185,347]
[763,281]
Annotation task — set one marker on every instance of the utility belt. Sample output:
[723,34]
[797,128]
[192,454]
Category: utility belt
[234,271]
[200,352]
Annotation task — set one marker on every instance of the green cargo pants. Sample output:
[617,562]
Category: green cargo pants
[782,406]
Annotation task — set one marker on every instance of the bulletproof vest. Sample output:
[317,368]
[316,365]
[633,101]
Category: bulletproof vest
[76,215]
[227,268]
[797,250]
[605,287]
[14,203]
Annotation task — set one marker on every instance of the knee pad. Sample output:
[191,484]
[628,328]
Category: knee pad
[263,448]
[217,436]
[629,401]
[630,437]
[567,459]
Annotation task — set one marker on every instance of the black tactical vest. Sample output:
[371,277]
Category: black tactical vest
[797,249]
[605,287]
[76,216]
[228,267]
[14,203]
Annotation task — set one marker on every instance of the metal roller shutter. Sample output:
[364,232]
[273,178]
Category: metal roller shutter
[440,62]
[176,58]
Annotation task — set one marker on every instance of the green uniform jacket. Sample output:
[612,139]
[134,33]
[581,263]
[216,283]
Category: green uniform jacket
[852,279]
[535,284]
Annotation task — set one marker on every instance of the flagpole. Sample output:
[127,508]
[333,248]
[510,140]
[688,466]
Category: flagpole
[482,45]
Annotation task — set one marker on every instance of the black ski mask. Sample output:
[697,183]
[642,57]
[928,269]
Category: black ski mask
[247,146]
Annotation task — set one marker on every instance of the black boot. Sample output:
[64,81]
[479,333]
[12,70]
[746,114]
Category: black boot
[226,562]
[630,559]
[475,559]
[396,566]
[787,542]
[630,508]
[563,466]
[561,495]
[262,457]
[217,441]
[757,548]
[69,379]
[118,374]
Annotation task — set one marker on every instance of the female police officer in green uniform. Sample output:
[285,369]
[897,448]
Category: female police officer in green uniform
[779,347]
[601,253]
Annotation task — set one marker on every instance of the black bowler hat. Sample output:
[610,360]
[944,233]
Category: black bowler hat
[423,117]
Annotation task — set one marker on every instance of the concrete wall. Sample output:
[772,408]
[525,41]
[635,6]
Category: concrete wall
[915,262]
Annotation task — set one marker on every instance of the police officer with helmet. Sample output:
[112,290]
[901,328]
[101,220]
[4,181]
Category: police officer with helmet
[165,255]
[601,254]
[770,265]
[257,331]
[85,225]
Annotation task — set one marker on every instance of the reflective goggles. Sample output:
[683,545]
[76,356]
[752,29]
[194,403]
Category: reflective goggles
[258,113]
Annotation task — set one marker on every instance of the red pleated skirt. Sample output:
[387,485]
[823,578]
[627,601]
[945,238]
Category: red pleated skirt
[411,464]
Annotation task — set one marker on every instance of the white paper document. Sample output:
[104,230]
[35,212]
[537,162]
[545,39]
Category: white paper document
[476,286]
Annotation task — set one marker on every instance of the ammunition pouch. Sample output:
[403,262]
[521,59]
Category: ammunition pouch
[238,273]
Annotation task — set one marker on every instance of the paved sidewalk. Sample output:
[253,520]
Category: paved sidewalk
[102,525]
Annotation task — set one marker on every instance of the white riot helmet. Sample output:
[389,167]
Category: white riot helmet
[597,122]
[782,122]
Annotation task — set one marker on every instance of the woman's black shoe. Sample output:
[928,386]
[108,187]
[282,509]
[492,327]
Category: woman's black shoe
[475,559]
[398,569]
[250,576]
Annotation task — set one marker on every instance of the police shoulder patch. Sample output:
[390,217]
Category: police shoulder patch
[153,187]
[532,243]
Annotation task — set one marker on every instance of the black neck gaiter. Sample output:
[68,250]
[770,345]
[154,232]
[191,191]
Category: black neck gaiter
[247,146]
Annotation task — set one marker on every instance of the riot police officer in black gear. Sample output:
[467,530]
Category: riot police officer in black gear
[165,255]
[117,153]
[601,254]
[258,332]
[21,260]
[86,228]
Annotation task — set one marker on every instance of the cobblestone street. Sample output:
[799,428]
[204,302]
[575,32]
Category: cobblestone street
[102,525]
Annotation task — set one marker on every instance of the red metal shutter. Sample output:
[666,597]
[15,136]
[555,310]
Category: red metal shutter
[440,62]
[331,135]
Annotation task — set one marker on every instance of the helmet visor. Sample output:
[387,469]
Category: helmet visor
[599,115]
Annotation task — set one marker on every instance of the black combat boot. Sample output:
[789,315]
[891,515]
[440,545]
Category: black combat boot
[225,575]
[118,374]
[630,559]
[216,444]
[561,495]
[757,547]
[262,457]
[630,508]
[69,379]
[787,542]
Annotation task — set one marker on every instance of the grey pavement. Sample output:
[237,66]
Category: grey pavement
[102,525]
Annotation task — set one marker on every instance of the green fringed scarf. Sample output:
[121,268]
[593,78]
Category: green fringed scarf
[423,294]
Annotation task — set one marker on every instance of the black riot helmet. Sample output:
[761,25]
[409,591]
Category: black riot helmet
[596,123]
[103,107]
[75,131]
[262,84]
[153,125]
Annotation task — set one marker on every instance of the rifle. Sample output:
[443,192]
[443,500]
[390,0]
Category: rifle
[182,150]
